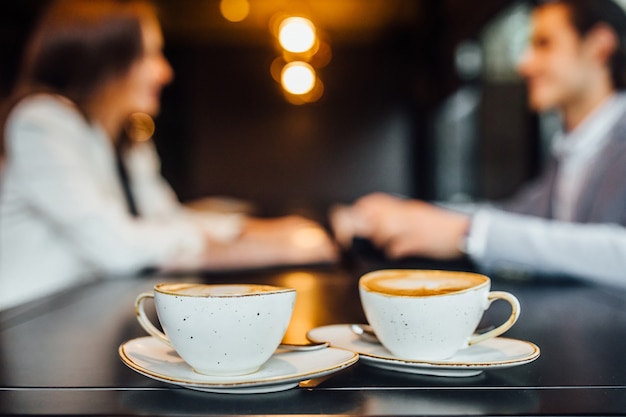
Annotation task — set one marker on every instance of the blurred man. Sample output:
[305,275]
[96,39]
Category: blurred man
[570,220]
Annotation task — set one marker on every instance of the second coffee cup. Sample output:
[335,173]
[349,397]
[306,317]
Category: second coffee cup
[220,329]
[429,314]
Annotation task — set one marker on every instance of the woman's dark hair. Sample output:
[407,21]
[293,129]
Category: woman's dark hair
[77,46]
[587,14]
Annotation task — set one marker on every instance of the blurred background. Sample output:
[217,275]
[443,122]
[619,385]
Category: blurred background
[412,97]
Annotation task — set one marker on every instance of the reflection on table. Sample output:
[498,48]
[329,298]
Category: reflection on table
[60,355]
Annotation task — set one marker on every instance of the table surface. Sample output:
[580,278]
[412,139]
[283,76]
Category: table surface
[60,355]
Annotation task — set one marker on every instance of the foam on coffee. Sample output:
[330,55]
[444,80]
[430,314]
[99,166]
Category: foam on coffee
[217,290]
[420,283]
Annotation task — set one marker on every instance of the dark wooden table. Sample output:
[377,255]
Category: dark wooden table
[59,355]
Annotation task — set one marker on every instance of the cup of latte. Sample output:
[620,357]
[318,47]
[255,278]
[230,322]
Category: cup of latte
[429,314]
[222,329]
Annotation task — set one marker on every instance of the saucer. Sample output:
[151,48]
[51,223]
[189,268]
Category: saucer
[284,370]
[496,353]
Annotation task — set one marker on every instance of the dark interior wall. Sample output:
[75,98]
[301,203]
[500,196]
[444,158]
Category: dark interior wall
[509,142]
[16,21]
[226,128]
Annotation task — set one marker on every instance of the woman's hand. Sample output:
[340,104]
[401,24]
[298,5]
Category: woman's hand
[289,240]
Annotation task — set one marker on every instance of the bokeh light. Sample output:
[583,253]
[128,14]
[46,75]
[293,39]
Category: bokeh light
[234,10]
[276,68]
[312,96]
[296,34]
[139,127]
[298,78]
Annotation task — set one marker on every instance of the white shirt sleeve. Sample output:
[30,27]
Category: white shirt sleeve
[157,200]
[505,241]
[66,174]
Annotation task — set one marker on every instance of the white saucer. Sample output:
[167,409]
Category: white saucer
[283,371]
[494,353]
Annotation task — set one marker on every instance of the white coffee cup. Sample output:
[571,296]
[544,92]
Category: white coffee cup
[220,329]
[429,314]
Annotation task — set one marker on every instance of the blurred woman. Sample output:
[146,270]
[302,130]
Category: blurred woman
[79,197]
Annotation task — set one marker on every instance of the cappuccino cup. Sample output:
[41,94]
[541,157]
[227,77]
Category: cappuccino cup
[430,314]
[222,329]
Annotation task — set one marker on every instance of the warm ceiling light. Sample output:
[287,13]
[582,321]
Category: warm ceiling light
[296,34]
[298,78]
[234,10]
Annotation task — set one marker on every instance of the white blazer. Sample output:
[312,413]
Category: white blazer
[63,215]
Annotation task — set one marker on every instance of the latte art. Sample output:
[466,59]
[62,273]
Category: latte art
[421,283]
[421,314]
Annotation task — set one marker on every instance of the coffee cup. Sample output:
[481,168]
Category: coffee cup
[221,329]
[430,314]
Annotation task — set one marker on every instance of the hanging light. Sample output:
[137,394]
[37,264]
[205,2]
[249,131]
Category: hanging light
[298,78]
[296,34]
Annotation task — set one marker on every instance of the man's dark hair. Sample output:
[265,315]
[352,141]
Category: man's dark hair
[585,15]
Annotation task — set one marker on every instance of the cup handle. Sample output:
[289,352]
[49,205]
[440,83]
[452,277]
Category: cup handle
[145,321]
[515,310]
